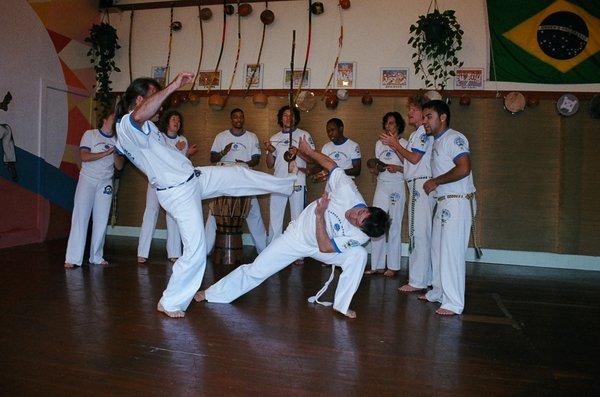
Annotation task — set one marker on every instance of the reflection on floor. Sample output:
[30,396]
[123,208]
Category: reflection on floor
[95,331]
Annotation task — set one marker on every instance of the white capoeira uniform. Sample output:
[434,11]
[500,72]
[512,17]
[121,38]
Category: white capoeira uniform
[451,223]
[343,154]
[93,196]
[244,147]
[180,189]
[390,196]
[277,202]
[420,210]
[152,210]
[300,240]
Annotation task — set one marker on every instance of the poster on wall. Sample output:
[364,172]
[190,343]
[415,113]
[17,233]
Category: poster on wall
[345,74]
[393,78]
[253,75]
[297,76]
[468,79]
[160,74]
[209,79]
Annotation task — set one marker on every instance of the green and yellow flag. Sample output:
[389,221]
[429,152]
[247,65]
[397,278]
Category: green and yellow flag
[545,41]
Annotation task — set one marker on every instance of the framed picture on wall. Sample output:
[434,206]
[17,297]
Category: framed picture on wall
[160,74]
[345,74]
[209,78]
[393,78]
[297,76]
[253,73]
[468,79]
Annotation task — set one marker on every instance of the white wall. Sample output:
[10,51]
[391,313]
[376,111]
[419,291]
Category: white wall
[375,36]
[29,64]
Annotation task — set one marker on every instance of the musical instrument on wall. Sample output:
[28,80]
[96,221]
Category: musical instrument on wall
[567,105]
[514,102]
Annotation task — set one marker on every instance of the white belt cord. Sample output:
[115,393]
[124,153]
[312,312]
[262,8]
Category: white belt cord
[315,298]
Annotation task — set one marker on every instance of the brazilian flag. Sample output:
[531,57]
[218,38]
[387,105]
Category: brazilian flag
[545,41]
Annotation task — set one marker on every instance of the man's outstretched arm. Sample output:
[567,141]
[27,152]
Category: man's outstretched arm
[323,240]
[323,160]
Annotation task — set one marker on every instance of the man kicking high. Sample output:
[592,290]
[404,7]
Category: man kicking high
[179,186]
[331,229]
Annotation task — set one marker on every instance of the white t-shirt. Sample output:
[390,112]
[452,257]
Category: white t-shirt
[243,147]
[419,142]
[342,154]
[344,195]
[386,154]
[281,143]
[96,141]
[447,148]
[173,141]
[147,148]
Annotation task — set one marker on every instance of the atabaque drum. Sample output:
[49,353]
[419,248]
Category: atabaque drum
[230,214]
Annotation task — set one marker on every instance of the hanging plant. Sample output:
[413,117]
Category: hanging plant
[104,41]
[437,39]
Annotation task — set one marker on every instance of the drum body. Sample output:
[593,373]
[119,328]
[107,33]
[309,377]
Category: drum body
[230,214]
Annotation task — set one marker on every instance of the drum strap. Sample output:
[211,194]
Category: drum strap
[315,298]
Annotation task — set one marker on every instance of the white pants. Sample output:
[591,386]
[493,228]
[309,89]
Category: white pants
[419,260]
[149,225]
[253,220]
[277,204]
[449,242]
[8,144]
[92,197]
[278,255]
[390,197]
[184,204]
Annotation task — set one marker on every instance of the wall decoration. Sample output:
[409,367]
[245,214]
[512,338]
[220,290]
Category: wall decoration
[436,38]
[209,79]
[469,79]
[253,75]
[297,76]
[160,74]
[393,78]
[345,74]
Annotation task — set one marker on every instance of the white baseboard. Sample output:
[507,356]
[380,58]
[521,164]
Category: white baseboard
[490,256]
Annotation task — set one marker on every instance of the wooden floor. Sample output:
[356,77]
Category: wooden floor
[95,331]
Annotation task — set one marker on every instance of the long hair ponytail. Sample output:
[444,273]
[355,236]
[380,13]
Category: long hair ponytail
[138,87]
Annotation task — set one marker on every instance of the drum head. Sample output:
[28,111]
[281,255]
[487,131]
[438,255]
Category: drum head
[306,100]
[514,102]
[567,105]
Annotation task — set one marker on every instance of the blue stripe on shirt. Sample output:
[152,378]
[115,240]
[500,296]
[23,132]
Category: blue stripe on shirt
[335,246]
[459,156]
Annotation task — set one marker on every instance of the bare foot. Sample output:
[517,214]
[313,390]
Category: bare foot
[299,262]
[349,313]
[70,265]
[390,273]
[175,314]
[445,312]
[173,260]
[407,288]
[104,263]
[373,272]
[422,297]
[141,259]
[200,296]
